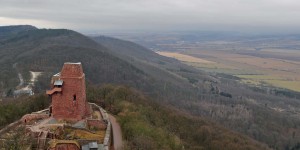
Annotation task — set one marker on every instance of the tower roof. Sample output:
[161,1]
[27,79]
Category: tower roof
[71,70]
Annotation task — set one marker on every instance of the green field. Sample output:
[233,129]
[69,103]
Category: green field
[291,85]
[272,80]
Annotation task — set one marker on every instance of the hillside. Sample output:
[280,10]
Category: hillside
[249,111]
[44,50]
[145,124]
[148,125]
[175,80]
[147,60]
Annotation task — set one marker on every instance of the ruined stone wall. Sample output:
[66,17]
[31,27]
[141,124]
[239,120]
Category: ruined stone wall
[108,133]
[29,117]
[10,126]
[96,124]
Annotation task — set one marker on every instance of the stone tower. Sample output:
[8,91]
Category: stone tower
[68,93]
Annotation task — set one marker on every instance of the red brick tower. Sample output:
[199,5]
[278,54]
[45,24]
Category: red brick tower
[68,93]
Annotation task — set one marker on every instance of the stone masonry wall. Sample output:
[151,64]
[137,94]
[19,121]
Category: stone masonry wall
[71,103]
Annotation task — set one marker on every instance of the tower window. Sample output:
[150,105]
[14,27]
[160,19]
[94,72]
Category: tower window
[74,97]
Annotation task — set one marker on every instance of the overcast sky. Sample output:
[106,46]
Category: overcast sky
[154,15]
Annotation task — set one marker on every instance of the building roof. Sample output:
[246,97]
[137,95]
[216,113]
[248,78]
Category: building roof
[93,145]
[78,63]
[57,75]
[71,70]
[58,82]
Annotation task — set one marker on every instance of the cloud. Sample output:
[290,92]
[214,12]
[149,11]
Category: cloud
[11,21]
[97,15]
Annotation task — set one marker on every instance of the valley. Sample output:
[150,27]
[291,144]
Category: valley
[259,74]
[257,59]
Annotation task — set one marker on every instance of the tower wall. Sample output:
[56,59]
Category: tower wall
[71,103]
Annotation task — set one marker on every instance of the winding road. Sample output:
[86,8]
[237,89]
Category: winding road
[117,133]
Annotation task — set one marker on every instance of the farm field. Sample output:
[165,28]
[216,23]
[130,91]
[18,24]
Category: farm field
[252,67]
[185,58]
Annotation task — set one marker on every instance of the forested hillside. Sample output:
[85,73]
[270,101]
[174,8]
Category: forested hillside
[46,50]
[249,111]
[148,125]
[145,124]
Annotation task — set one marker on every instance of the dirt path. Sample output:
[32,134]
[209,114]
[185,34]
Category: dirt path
[21,80]
[26,89]
[117,133]
[34,76]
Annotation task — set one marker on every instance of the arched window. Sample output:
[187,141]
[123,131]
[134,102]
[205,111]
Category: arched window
[74,97]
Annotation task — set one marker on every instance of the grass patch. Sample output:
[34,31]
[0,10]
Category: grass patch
[291,85]
[259,77]
[271,80]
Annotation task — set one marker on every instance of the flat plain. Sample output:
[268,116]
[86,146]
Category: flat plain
[253,67]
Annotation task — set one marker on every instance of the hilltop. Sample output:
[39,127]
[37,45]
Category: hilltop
[8,31]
